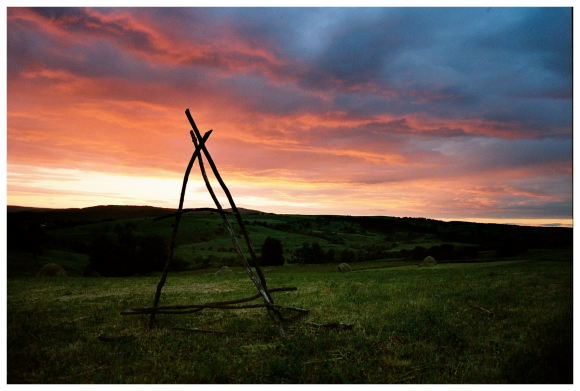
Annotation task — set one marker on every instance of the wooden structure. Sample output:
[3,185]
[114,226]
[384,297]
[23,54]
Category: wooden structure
[250,263]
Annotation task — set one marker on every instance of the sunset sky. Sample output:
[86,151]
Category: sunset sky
[448,113]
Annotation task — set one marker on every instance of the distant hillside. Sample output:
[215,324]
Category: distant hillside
[53,218]
[70,236]
[57,218]
[249,211]
[99,208]
[15,208]
[112,210]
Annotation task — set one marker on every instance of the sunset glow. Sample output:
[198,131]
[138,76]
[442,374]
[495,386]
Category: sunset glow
[454,114]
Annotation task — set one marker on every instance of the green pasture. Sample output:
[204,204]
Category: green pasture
[486,322]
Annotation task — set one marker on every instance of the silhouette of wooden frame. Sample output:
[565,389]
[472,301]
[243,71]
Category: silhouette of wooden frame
[252,267]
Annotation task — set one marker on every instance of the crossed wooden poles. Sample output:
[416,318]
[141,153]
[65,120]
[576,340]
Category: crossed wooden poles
[252,268]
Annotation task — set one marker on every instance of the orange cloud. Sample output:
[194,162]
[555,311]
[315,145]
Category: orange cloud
[100,110]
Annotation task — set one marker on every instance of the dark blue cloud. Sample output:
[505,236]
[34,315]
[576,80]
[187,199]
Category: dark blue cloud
[507,64]
[258,96]
[510,65]
[59,12]
[79,20]
[555,209]
[544,32]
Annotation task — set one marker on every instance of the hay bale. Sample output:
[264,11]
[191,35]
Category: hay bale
[344,267]
[428,261]
[51,270]
[224,270]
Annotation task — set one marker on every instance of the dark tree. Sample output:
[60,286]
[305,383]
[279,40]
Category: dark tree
[26,235]
[123,253]
[312,253]
[418,253]
[151,253]
[347,256]
[272,253]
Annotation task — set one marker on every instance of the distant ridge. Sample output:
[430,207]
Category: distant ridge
[17,208]
[55,218]
[76,216]
[98,213]
[247,211]
[89,209]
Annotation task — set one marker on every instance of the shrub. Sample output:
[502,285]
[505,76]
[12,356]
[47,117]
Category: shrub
[346,255]
[179,264]
[444,251]
[510,247]
[311,253]
[27,236]
[419,252]
[272,252]
[122,253]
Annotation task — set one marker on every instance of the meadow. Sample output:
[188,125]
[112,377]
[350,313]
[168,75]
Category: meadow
[494,318]
[488,322]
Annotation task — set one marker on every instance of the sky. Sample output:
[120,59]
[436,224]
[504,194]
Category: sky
[447,113]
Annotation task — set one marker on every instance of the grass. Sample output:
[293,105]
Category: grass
[487,322]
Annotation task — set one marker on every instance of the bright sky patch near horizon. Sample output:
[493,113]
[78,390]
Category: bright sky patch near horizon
[448,113]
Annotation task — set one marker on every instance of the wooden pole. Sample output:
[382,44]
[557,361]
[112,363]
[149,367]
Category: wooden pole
[230,199]
[195,154]
[257,278]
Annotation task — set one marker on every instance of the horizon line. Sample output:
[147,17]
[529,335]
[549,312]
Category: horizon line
[519,221]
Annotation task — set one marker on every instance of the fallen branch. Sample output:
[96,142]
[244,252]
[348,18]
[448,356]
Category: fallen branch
[194,308]
[198,307]
[217,303]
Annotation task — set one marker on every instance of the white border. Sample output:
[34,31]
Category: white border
[262,3]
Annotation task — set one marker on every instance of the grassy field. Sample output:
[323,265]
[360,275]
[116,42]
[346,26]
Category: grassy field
[66,238]
[486,322]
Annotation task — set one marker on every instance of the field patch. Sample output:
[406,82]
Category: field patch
[494,322]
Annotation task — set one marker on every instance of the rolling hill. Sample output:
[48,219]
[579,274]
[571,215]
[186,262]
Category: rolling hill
[67,237]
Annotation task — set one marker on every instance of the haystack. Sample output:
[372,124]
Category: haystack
[51,270]
[344,267]
[428,261]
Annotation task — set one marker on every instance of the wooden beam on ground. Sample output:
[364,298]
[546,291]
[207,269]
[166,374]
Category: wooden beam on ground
[198,307]
[217,303]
